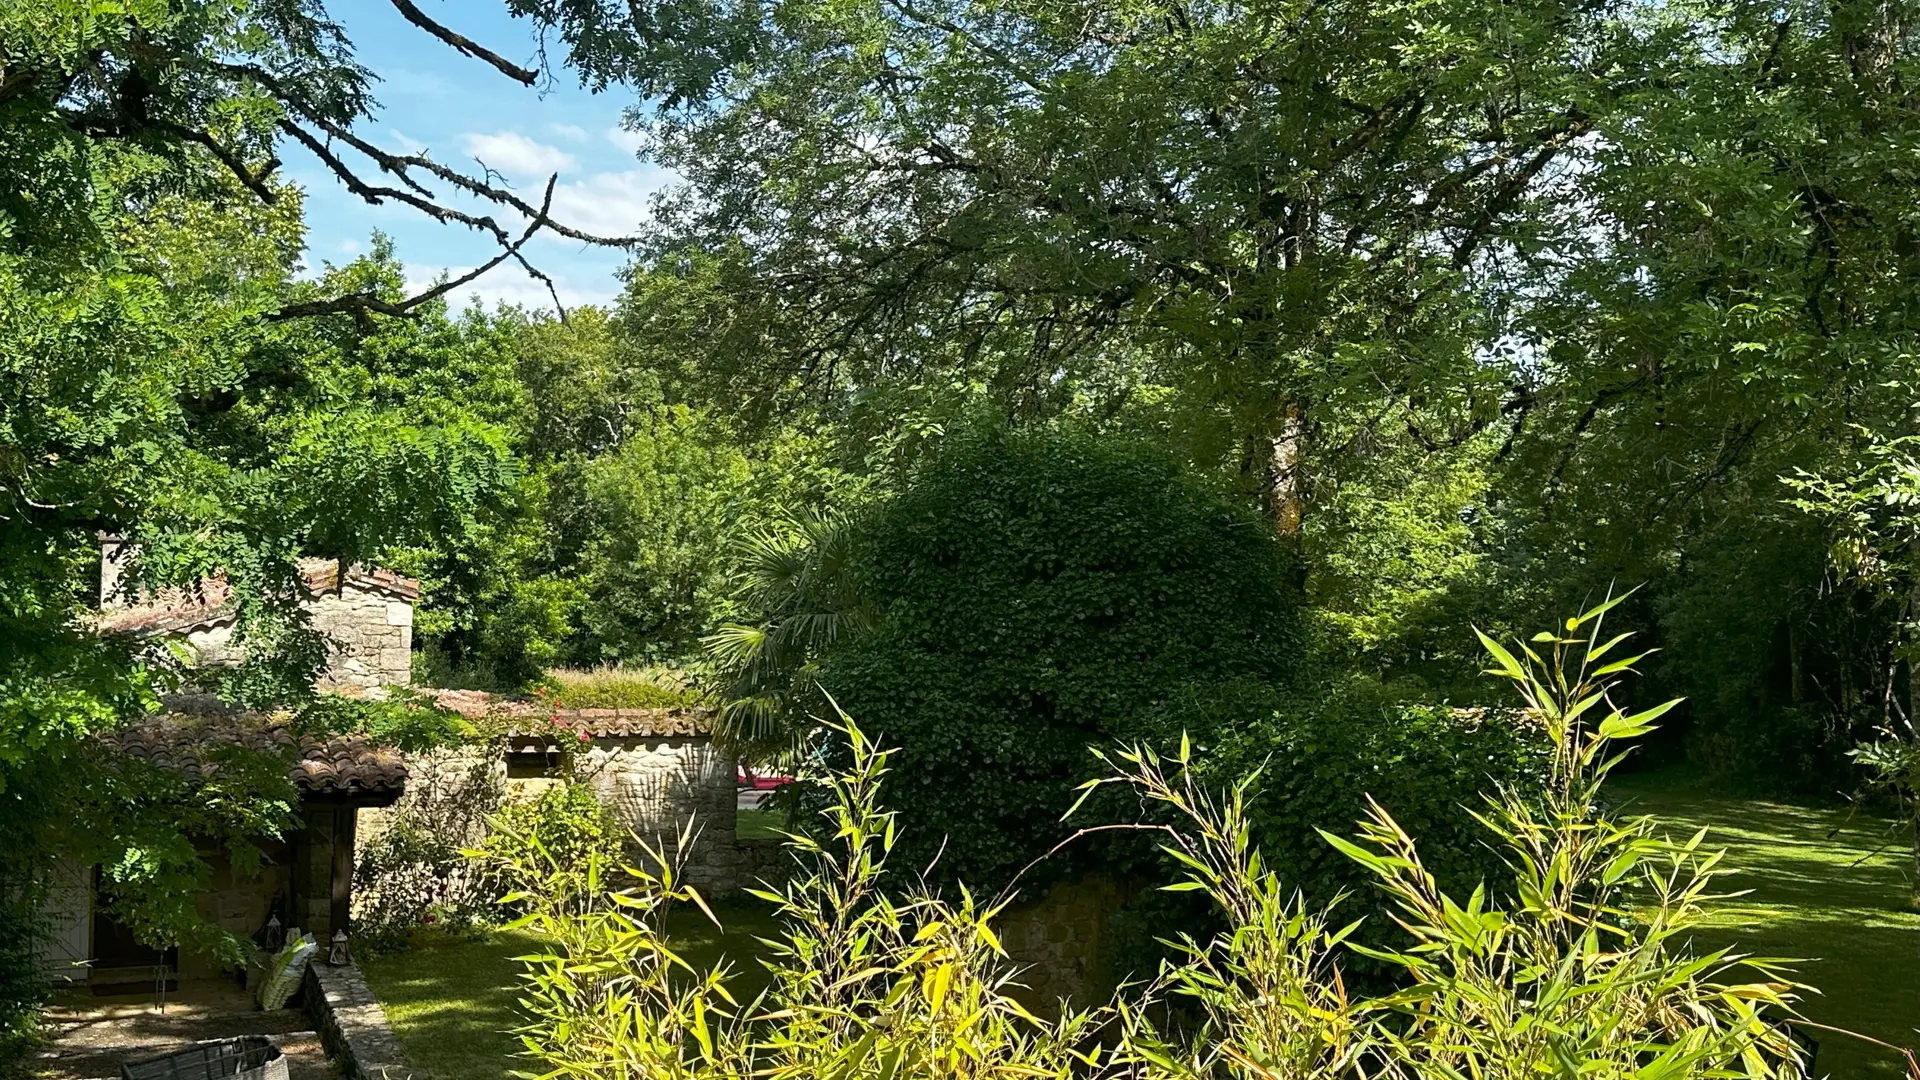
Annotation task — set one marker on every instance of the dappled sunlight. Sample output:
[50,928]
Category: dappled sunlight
[1827,886]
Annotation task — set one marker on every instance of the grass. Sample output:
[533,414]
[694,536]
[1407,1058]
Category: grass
[620,688]
[760,825]
[1822,888]
[453,1000]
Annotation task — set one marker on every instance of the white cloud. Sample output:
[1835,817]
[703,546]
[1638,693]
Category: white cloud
[348,247]
[513,154]
[607,204]
[509,284]
[630,141]
[406,142]
[570,131]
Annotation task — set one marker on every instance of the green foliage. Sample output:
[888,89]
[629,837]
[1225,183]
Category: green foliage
[413,874]
[863,986]
[1597,934]
[1035,593]
[1585,973]
[144,249]
[1503,304]
[1322,758]
[798,587]
[564,826]
[404,719]
[24,985]
[663,505]
[616,547]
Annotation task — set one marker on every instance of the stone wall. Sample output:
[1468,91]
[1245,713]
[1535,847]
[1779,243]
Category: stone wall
[237,903]
[352,1024]
[1061,940]
[655,784]
[213,646]
[372,637]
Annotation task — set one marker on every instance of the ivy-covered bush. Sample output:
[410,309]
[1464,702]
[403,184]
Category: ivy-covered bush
[1036,593]
[1321,755]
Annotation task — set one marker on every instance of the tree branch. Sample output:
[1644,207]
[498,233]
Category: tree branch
[463,44]
[361,303]
[252,181]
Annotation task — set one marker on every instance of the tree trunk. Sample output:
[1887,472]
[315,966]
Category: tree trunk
[1797,690]
[1283,480]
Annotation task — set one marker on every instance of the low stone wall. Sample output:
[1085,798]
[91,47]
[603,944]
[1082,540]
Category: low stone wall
[655,784]
[352,1024]
[1060,938]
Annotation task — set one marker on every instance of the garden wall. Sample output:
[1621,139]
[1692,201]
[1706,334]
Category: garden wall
[1061,939]
[654,783]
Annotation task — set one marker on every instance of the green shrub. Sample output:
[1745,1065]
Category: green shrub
[414,873]
[566,822]
[1036,593]
[24,985]
[1319,758]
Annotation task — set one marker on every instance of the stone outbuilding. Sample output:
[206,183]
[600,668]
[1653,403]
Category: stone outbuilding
[367,616]
[656,768]
[308,877]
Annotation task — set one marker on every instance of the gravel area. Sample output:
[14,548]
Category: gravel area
[93,1036]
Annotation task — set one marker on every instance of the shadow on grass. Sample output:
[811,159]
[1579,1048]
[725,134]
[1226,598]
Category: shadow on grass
[1822,887]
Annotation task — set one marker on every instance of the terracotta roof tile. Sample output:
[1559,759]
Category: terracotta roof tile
[532,718]
[341,765]
[210,602]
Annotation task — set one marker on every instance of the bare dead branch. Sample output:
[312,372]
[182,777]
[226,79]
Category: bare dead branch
[463,44]
[377,195]
[361,303]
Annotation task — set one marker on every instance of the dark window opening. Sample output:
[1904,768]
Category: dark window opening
[532,765]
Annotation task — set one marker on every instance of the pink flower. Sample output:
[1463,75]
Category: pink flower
[583,736]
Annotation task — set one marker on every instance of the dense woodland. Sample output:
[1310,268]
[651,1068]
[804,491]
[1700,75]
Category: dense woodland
[1023,374]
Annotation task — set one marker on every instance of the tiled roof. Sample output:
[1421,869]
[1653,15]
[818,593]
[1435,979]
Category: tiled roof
[532,719]
[323,575]
[344,765]
[210,602]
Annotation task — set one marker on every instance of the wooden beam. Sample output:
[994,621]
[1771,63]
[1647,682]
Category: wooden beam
[300,873]
[343,823]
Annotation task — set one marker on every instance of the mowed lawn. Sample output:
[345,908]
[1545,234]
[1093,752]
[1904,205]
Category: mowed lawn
[1818,891]
[453,1001]
[1823,887]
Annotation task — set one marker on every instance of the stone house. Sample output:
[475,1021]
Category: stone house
[308,877]
[367,616]
[655,768]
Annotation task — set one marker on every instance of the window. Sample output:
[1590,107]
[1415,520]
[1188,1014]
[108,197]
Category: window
[532,764]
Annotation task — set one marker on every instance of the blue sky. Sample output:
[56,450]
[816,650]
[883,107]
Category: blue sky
[460,109]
